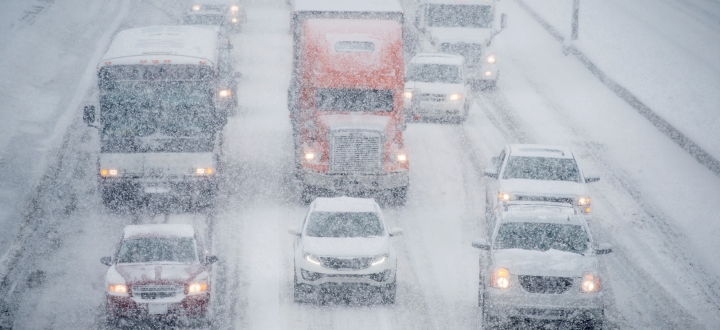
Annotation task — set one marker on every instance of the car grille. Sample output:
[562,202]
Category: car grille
[545,284]
[345,263]
[356,151]
[432,97]
[156,291]
[567,200]
[214,7]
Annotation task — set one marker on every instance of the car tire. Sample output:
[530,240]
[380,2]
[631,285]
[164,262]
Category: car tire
[388,293]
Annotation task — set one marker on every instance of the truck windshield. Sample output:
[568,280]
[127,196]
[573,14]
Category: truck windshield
[542,168]
[442,73]
[344,224]
[370,100]
[542,237]
[154,249]
[470,16]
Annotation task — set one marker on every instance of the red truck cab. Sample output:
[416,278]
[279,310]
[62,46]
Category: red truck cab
[348,117]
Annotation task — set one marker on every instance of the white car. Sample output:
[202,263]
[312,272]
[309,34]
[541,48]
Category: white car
[533,172]
[344,244]
[229,14]
[436,88]
[541,265]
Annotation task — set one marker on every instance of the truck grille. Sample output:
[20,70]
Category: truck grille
[432,97]
[356,151]
[567,200]
[545,284]
[156,291]
[349,263]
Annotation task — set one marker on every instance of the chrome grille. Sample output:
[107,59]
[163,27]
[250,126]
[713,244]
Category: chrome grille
[432,97]
[345,263]
[545,284]
[356,151]
[156,291]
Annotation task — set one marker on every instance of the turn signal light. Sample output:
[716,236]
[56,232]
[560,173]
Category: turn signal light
[500,278]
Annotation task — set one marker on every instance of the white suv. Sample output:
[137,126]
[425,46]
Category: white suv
[533,172]
[342,245]
[436,88]
[541,265]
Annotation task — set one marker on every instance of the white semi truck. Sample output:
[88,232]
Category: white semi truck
[164,94]
[465,28]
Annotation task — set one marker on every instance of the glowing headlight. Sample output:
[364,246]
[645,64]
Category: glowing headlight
[488,73]
[491,59]
[378,259]
[312,258]
[204,171]
[590,283]
[117,288]
[312,156]
[106,172]
[196,7]
[401,158]
[583,200]
[504,197]
[455,97]
[407,94]
[234,9]
[500,278]
[234,20]
[197,287]
[225,93]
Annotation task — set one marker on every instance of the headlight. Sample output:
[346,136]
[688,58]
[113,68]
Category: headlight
[590,283]
[106,172]
[401,157]
[491,59]
[204,171]
[312,258]
[234,20]
[197,287]
[455,97]
[500,278]
[117,288]
[225,93]
[234,9]
[583,200]
[196,7]
[504,197]
[407,94]
[488,73]
[312,156]
[378,259]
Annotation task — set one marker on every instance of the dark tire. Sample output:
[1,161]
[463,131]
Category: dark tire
[388,293]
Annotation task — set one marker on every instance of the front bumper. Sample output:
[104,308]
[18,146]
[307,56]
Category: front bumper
[189,306]
[178,187]
[355,183]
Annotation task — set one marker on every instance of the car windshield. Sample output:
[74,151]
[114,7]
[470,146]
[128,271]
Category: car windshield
[459,16]
[138,250]
[542,168]
[344,224]
[542,237]
[369,100]
[442,73]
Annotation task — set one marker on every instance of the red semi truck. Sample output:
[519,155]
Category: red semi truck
[346,100]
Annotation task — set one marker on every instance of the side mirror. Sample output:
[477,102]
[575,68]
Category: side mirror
[481,243]
[603,248]
[293,231]
[592,177]
[491,173]
[237,75]
[107,261]
[395,231]
[89,114]
[503,21]
[211,259]
[401,126]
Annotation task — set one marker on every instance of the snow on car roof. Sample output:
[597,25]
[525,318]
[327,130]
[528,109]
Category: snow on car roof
[345,204]
[438,58]
[177,44]
[540,150]
[348,5]
[161,230]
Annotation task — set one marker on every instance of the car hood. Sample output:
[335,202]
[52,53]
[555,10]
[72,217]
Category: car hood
[346,247]
[543,188]
[435,88]
[457,35]
[548,263]
[134,274]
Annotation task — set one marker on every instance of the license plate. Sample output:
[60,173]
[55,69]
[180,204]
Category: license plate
[155,309]
[157,190]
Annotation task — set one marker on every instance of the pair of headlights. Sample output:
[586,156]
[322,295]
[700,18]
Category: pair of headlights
[233,9]
[314,157]
[408,94]
[580,201]
[500,278]
[378,259]
[113,172]
[190,288]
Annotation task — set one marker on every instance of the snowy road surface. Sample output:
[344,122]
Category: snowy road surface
[654,204]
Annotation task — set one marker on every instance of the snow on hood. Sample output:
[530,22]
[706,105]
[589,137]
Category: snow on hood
[435,87]
[548,263]
[361,121]
[458,34]
[542,188]
[346,247]
[157,273]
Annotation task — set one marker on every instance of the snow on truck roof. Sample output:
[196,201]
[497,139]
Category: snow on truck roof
[438,58]
[177,44]
[345,204]
[540,150]
[161,230]
[348,5]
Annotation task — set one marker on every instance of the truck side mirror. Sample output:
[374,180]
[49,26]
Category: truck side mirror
[603,248]
[107,261]
[503,21]
[481,243]
[592,177]
[294,231]
[89,115]
[211,259]
[491,173]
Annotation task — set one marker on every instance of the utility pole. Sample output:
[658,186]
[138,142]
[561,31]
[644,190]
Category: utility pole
[575,14]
